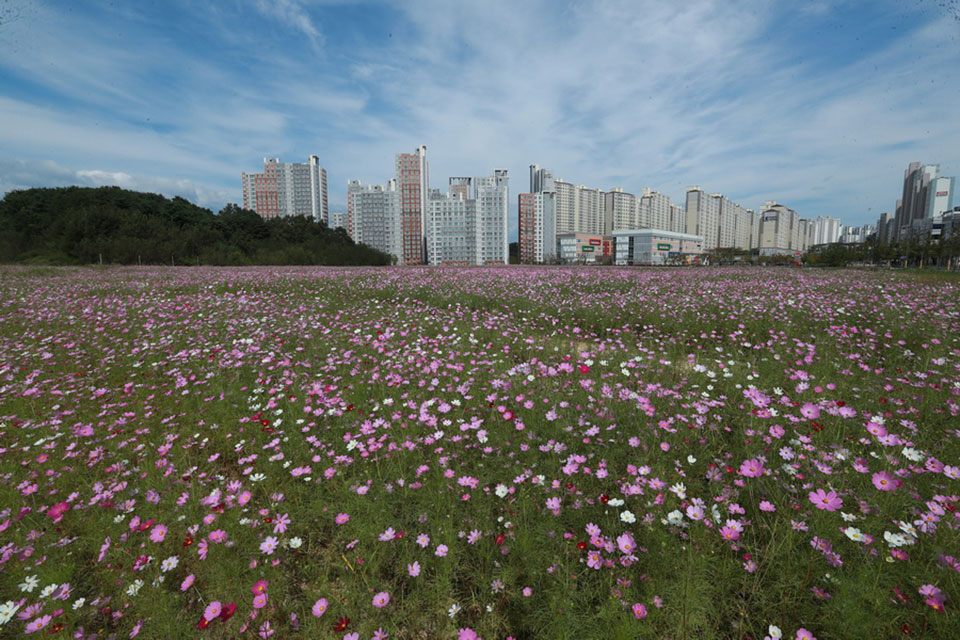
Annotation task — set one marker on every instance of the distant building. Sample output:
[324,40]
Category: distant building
[656,247]
[339,219]
[540,179]
[287,189]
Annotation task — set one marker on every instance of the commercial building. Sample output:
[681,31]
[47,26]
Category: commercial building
[287,189]
[584,248]
[656,247]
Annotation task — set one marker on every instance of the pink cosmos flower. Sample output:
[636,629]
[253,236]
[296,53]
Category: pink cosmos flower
[342,518]
[381,599]
[766,505]
[260,601]
[751,468]
[527,592]
[810,411]
[187,582]
[413,569]
[319,607]
[886,481]
[37,623]
[468,634]
[441,550]
[626,543]
[269,545]
[729,533]
[826,501]
[158,534]
[639,611]
[803,634]
[212,611]
[260,586]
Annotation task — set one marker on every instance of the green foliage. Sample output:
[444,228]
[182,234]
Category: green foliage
[77,225]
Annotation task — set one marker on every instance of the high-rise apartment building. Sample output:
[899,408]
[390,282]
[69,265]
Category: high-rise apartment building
[339,219]
[374,216]
[540,179]
[621,210]
[657,212]
[413,184]
[493,198]
[779,230]
[537,227]
[915,203]
[287,189]
[469,231]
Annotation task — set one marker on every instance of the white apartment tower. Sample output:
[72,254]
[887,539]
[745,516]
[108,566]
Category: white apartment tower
[621,210]
[469,231]
[374,216]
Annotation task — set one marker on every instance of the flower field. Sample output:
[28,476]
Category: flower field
[479,453]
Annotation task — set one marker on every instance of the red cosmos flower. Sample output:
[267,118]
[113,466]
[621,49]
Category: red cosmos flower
[341,624]
[604,498]
[228,610]
[264,422]
[55,628]
[267,429]
[500,539]
[841,403]
[349,407]
[581,545]
[187,541]
[203,624]
[584,368]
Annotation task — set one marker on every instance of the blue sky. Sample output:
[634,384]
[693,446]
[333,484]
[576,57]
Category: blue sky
[819,105]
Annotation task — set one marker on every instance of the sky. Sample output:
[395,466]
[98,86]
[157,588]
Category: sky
[817,105]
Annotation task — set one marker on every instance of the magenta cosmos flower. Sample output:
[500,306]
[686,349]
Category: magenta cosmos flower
[639,611]
[828,501]
[381,599]
[886,481]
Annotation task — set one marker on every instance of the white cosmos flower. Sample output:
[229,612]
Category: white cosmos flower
[775,632]
[628,517]
[854,534]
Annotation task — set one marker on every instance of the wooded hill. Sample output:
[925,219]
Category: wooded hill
[79,225]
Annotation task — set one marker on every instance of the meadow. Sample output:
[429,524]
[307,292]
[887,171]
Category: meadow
[479,453]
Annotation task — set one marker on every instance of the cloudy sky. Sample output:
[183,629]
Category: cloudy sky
[819,105]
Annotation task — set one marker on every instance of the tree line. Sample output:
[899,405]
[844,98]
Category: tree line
[81,225]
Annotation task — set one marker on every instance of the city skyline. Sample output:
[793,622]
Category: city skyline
[818,107]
